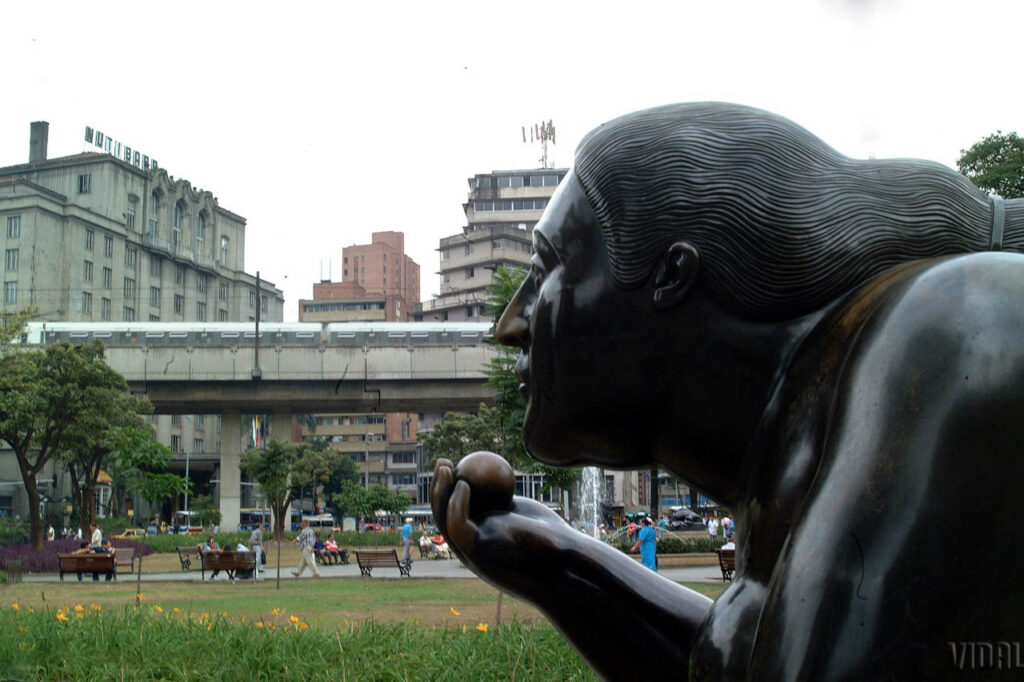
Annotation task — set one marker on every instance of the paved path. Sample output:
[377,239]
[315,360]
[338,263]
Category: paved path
[423,568]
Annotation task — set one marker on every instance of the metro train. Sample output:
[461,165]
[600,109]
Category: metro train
[271,333]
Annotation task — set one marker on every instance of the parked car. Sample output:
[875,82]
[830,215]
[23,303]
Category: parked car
[132,534]
[372,528]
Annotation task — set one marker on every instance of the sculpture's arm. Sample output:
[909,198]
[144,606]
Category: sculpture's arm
[624,619]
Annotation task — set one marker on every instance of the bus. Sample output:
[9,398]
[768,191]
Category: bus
[185,522]
[249,518]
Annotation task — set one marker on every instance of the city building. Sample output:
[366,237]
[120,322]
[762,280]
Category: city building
[101,237]
[380,284]
[501,211]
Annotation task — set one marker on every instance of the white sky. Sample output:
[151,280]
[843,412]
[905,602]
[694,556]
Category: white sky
[323,122]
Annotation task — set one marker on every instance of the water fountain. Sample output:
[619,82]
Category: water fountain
[590,499]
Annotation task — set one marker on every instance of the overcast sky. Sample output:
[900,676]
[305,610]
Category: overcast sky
[323,122]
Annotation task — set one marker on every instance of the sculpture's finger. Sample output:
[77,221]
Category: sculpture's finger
[444,479]
[461,530]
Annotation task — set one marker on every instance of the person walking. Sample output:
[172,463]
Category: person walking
[646,544]
[306,539]
[256,542]
[407,541]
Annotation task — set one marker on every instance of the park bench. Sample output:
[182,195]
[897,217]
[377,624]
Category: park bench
[369,559]
[323,559]
[229,562]
[125,556]
[727,562]
[86,563]
[186,555]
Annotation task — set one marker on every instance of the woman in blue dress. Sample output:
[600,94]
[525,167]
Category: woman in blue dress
[645,543]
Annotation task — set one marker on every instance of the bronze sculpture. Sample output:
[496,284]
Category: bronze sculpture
[800,334]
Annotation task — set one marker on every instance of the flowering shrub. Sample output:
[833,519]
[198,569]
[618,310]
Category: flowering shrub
[46,561]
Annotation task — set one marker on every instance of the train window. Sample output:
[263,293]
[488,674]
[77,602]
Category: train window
[470,335]
[102,335]
[396,335]
[346,335]
[178,335]
[304,335]
[78,335]
[229,335]
[420,335]
[154,335]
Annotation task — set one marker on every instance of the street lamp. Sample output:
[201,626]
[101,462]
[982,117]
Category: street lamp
[131,515]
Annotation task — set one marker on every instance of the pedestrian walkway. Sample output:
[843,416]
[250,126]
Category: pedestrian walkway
[424,568]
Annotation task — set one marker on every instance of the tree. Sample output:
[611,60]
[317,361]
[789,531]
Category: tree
[157,487]
[459,434]
[313,469]
[206,513]
[272,468]
[136,452]
[42,395]
[111,414]
[996,164]
[363,503]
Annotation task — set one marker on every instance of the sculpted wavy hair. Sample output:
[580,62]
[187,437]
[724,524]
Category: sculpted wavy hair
[784,223]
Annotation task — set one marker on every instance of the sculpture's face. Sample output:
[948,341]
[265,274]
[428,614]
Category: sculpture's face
[582,339]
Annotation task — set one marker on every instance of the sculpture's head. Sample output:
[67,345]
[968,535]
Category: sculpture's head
[767,221]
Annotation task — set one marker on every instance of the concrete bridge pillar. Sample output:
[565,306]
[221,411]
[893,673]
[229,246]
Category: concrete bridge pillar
[230,473]
[281,428]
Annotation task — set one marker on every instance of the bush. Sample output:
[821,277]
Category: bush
[673,544]
[13,531]
[46,561]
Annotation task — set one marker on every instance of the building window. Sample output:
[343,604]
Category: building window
[470,273]
[11,259]
[85,183]
[179,274]
[105,308]
[403,479]
[179,225]
[90,240]
[179,303]
[263,304]
[222,316]
[10,292]
[200,232]
[223,250]
[129,218]
[175,443]
[108,246]
[129,288]
[222,291]
[130,256]
[469,249]
[201,283]
[175,420]
[252,298]
[155,266]
[13,226]
[87,271]
[201,311]
[199,421]
[197,445]
[154,296]
[108,275]
[129,314]
[154,214]
[404,457]
[86,303]
[447,277]
[154,318]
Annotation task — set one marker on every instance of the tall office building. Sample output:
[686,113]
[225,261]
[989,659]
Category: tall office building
[102,237]
[381,284]
[502,209]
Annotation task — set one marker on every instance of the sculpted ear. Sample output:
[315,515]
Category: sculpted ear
[676,274]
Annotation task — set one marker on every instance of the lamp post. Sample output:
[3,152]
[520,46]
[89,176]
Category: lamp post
[131,516]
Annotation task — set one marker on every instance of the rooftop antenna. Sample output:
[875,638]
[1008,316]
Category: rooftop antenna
[542,132]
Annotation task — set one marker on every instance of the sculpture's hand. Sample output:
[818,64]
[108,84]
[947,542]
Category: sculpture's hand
[511,541]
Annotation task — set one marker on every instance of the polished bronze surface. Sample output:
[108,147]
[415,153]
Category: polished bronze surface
[814,342]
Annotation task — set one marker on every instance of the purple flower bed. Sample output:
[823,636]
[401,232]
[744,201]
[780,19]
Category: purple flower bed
[46,560]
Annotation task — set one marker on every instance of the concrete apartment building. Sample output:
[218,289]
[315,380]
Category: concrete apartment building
[380,284]
[95,237]
[501,211]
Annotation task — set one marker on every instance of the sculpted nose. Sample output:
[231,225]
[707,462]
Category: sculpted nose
[512,328]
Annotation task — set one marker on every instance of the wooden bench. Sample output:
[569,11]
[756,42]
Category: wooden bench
[328,559]
[186,555]
[86,563]
[125,556]
[727,562]
[229,562]
[369,559]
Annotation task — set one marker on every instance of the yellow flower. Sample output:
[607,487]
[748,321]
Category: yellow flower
[303,626]
[259,623]
[31,610]
[223,614]
[275,612]
[61,616]
[96,607]
[79,608]
[482,627]
[209,626]
[177,610]
[140,596]
[206,616]
[15,606]
[454,612]
[79,615]
[158,609]
[294,619]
